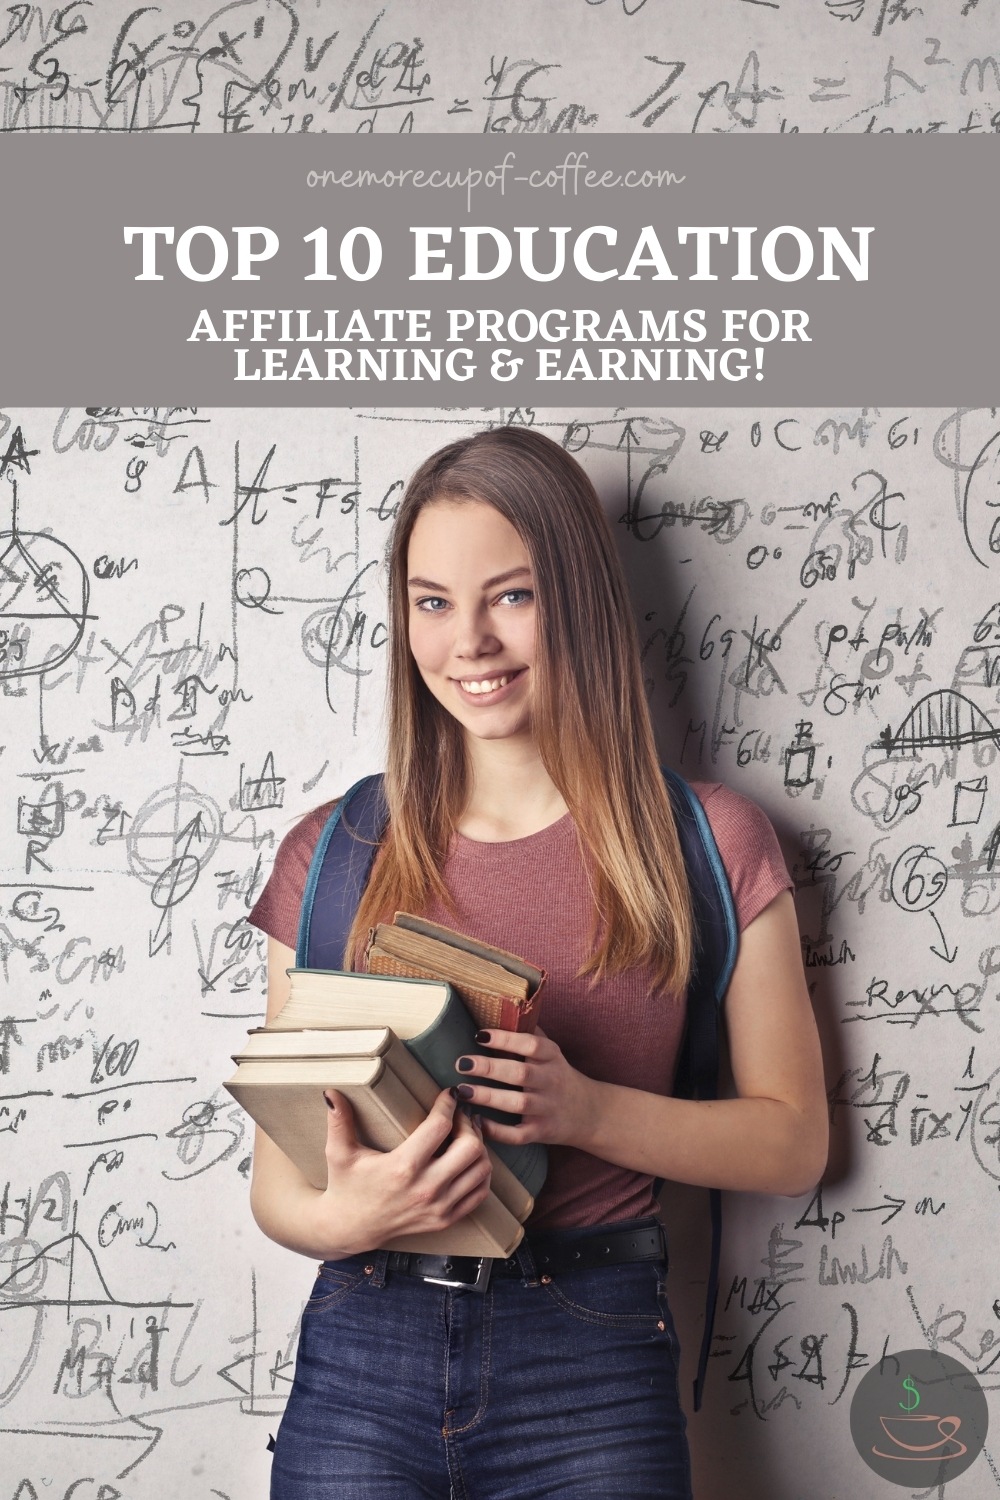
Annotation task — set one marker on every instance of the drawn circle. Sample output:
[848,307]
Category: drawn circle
[252,587]
[919,1418]
[918,879]
[328,634]
[44,594]
[173,835]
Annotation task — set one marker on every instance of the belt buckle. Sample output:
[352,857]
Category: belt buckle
[482,1281]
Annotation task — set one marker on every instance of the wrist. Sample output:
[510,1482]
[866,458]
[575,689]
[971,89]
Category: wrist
[301,1221]
[590,1115]
[337,1232]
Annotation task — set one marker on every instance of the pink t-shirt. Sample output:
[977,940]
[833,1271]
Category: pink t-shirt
[532,897]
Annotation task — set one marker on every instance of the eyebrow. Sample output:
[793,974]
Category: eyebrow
[490,583]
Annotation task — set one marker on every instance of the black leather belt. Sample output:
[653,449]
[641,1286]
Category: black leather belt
[551,1254]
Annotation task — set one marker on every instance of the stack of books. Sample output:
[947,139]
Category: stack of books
[388,1040]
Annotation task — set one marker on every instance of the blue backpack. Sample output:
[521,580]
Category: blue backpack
[338,874]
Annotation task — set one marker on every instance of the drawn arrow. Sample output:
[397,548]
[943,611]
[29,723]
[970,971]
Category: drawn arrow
[152,1432]
[177,881]
[895,1205]
[191,831]
[178,873]
[949,958]
[224,1372]
[277,1370]
[629,438]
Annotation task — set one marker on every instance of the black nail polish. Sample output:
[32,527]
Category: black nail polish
[465,1091]
[483,1037]
[453,1091]
[465,1065]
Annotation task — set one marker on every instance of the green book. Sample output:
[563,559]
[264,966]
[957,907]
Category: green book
[427,1015]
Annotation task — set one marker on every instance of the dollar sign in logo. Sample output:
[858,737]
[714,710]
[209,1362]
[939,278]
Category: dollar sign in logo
[911,1389]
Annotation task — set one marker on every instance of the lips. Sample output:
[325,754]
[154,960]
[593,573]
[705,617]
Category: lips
[488,689]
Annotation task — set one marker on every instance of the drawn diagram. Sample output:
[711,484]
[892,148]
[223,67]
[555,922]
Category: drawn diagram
[944,718]
[44,588]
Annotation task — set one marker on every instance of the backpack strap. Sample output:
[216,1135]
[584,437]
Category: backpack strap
[717,943]
[714,960]
[338,873]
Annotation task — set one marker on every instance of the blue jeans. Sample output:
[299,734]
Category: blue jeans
[564,1386]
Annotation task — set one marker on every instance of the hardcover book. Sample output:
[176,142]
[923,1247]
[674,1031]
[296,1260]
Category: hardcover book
[280,1079]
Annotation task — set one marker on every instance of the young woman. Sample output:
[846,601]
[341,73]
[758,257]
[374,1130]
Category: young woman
[527,808]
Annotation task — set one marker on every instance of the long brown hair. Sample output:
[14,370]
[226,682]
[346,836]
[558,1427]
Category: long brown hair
[589,714]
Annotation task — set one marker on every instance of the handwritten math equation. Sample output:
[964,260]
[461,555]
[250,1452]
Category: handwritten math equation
[192,655]
[280,66]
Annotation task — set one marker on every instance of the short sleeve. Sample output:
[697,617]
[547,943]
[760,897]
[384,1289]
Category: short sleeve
[276,912]
[749,848]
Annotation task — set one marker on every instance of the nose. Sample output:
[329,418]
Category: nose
[474,636]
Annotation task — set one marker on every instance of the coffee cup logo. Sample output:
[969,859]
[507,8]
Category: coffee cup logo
[919,1417]
[926,1439]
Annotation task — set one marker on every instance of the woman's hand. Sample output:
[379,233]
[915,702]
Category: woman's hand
[434,1178]
[554,1099]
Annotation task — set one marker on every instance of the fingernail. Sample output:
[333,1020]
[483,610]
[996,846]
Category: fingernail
[454,1092]
[482,1036]
[465,1065]
[464,1091]
[329,1104]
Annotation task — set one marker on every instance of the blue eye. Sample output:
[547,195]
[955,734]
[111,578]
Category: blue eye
[429,604]
[518,596]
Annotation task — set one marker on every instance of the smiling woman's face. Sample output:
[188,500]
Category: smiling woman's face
[472,616]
